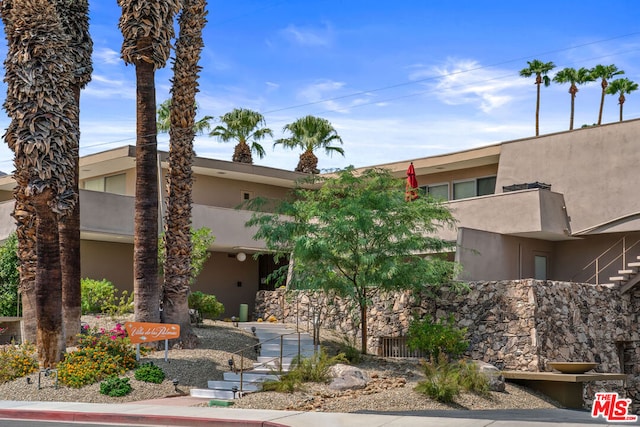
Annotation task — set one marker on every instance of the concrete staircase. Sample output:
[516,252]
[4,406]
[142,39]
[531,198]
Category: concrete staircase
[277,348]
[628,277]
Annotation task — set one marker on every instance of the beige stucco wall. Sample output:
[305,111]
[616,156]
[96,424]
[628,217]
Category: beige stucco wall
[593,167]
[106,260]
[227,193]
[524,212]
[6,195]
[478,250]
[7,223]
[220,276]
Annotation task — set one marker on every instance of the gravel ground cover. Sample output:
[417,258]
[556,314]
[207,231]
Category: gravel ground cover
[390,389]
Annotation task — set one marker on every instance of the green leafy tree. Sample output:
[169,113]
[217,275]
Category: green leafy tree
[201,239]
[310,133]
[606,73]
[574,78]
[357,233]
[9,276]
[246,127]
[540,70]
[621,87]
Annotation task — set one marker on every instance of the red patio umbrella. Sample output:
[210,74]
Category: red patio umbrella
[411,189]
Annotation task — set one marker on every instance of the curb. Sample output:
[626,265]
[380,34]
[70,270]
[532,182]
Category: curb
[142,419]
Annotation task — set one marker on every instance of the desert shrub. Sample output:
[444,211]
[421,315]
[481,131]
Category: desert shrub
[115,387]
[101,296]
[100,354]
[351,352]
[9,276]
[436,338]
[205,305]
[311,369]
[444,380]
[17,361]
[150,373]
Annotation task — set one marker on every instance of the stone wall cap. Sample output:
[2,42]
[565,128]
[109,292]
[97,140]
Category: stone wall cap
[572,378]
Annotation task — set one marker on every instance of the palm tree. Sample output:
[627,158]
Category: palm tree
[540,70]
[164,122]
[622,86]
[310,133]
[147,29]
[178,245]
[74,15]
[24,212]
[574,77]
[42,134]
[243,125]
[604,72]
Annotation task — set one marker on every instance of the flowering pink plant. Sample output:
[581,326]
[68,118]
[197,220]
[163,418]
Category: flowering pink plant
[2,330]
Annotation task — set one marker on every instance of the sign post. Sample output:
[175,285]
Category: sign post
[142,332]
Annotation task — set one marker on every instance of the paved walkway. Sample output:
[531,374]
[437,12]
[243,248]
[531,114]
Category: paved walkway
[177,411]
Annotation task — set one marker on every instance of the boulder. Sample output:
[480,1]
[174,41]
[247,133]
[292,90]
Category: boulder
[493,375]
[347,377]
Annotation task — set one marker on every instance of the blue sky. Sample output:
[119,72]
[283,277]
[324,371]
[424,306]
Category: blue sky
[399,80]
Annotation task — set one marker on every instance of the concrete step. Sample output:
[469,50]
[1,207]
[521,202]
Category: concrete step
[228,385]
[248,376]
[208,393]
[625,271]
[271,366]
[633,264]
[618,279]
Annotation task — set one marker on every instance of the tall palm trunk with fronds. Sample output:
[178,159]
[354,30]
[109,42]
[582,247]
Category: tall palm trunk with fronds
[147,29]
[178,245]
[75,19]
[42,135]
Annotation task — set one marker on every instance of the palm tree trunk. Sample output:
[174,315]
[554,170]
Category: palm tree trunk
[604,85]
[48,289]
[69,229]
[178,244]
[145,256]
[538,83]
[621,102]
[573,104]
[25,216]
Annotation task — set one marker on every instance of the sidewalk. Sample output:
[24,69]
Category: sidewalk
[177,412]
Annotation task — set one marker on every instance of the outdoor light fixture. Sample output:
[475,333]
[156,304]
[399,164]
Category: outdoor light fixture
[234,320]
[241,256]
[234,389]
[253,330]
[231,365]
[175,384]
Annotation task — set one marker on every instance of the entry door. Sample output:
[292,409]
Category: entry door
[540,267]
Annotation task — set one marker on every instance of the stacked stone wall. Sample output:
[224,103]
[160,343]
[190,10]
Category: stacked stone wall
[515,325]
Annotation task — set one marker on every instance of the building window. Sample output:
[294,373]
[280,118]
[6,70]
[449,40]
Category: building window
[116,184]
[437,191]
[247,195]
[474,187]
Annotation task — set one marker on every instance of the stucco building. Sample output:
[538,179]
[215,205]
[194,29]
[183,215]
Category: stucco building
[557,207]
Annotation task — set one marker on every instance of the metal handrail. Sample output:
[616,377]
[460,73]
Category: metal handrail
[256,348]
[596,261]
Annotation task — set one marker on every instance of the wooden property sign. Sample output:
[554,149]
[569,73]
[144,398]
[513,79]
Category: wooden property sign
[142,332]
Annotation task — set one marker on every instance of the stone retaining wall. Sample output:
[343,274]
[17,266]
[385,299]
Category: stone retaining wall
[516,325]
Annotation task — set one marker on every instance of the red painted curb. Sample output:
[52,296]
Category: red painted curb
[49,415]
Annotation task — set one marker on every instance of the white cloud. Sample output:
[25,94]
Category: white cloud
[458,82]
[106,56]
[309,36]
